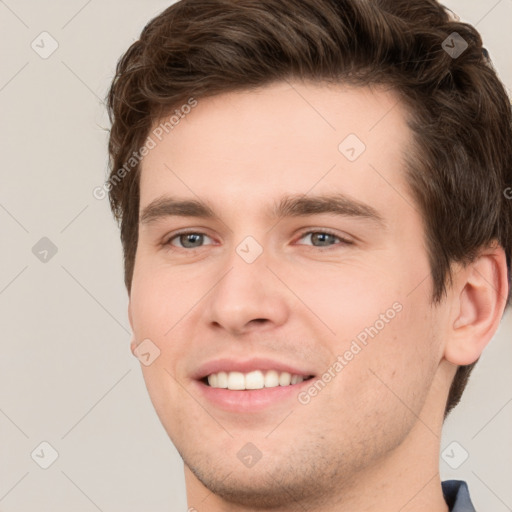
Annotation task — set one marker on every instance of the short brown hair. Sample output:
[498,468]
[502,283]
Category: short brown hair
[459,113]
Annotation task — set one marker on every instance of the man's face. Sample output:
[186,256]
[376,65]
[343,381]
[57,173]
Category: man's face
[252,293]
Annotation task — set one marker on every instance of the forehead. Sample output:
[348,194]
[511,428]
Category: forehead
[246,149]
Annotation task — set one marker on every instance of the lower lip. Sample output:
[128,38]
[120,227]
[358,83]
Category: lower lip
[252,400]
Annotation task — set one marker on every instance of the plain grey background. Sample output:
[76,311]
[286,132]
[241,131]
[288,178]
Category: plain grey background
[67,376]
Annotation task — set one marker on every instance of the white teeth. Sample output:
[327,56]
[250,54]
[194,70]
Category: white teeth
[285,379]
[213,379]
[236,380]
[222,380]
[256,379]
[271,379]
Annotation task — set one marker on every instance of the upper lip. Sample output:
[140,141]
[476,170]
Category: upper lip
[246,366]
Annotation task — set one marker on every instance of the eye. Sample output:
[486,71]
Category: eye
[195,239]
[323,238]
[188,240]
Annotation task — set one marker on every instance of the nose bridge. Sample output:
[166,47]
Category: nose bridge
[248,290]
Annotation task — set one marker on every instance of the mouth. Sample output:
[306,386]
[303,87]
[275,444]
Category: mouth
[257,379]
[250,386]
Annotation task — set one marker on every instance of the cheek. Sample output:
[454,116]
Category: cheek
[386,336]
[157,300]
[394,370]
[349,299]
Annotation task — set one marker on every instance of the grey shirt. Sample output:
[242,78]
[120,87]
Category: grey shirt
[456,495]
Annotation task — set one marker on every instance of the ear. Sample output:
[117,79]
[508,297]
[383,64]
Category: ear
[479,296]
[133,343]
[133,346]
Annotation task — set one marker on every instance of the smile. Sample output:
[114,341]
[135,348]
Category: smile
[252,385]
[257,379]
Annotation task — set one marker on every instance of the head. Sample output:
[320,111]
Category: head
[265,97]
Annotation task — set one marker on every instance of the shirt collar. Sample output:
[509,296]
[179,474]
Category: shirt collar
[456,495]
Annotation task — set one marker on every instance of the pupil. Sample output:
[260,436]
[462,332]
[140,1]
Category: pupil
[319,237]
[189,237]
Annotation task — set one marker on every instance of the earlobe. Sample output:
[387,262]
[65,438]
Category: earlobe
[478,308]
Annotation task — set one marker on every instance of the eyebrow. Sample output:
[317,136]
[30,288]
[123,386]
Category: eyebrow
[288,206]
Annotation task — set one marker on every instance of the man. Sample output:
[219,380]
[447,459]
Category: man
[317,242]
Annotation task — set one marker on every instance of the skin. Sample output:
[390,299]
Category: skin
[370,439]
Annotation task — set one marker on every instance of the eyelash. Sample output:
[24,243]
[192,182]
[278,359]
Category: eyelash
[343,241]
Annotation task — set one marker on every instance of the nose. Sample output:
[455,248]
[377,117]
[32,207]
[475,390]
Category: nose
[248,297]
